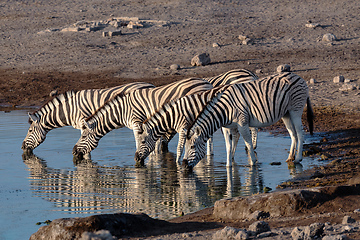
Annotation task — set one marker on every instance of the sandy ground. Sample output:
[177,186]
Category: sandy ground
[41,51]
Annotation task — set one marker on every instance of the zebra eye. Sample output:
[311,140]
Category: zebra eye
[192,147]
[30,130]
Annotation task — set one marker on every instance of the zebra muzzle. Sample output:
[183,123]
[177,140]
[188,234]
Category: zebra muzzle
[78,154]
[139,160]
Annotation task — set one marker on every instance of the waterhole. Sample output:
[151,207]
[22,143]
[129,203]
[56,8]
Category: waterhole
[50,184]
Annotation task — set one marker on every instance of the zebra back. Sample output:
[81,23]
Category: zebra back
[232,77]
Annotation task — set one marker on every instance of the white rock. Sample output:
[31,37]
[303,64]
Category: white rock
[312,25]
[258,71]
[242,37]
[174,67]
[312,81]
[283,68]
[201,60]
[348,219]
[297,234]
[347,80]
[329,37]
[259,227]
[216,45]
[338,79]
[348,87]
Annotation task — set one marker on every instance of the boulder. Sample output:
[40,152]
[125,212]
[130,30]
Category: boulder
[201,60]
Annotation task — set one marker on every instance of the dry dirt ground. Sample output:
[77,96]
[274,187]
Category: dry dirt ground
[39,54]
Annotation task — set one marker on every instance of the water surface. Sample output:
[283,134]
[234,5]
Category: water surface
[50,185]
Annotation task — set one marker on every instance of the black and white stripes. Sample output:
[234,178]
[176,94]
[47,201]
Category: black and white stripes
[68,109]
[253,104]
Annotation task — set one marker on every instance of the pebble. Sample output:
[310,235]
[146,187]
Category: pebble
[283,68]
[329,37]
[174,67]
[312,25]
[338,79]
[348,87]
[53,93]
[312,81]
[348,219]
[216,45]
[201,60]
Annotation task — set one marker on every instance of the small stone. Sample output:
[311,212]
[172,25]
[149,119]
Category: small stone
[329,37]
[174,67]
[247,41]
[312,81]
[357,210]
[297,234]
[226,233]
[347,80]
[283,68]
[242,37]
[216,45]
[338,79]
[348,219]
[312,25]
[258,71]
[259,227]
[201,60]
[348,87]
[314,230]
[114,33]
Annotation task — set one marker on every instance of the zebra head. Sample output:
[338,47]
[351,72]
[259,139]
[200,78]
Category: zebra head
[145,143]
[195,147]
[87,142]
[35,136]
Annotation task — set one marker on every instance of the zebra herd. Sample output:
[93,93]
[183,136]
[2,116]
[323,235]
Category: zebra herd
[236,101]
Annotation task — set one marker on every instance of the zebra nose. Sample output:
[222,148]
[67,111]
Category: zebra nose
[76,152]
[23,145]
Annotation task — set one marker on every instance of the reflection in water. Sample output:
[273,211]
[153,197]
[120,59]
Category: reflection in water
[160,189]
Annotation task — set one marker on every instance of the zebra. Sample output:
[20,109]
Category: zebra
[179,118]
[68,109]
[254,104]
[131,110]
[176,115]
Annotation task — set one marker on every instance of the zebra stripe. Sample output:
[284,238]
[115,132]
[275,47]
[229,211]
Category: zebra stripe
[131,110]
[68,109]
[187,110]
[176,115]
[253,104]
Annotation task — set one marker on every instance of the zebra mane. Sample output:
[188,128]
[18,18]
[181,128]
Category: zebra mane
[56,100]
[216,96]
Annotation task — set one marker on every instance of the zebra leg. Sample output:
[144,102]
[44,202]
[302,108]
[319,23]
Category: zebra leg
[210,146]
[180,146]
[291,129]
[254,133]
[235,139]
[296,121]
[245,132]
[228,144]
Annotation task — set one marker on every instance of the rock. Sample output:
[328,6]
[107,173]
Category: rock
[201,60]
[347,229]
[283,68]
[348,87]
[348,219]
[118,224]
[247,41]
[99,235]
[357,210]
[312,81]
[329,37]
[258,71]
[259,227]
[242,37]
[347,80]
[335,237]
[282,203]
[174,67]
[315,230]
[216,45]
[297,234]
[338,79]
[312,25]
[114,33]
[230,233]
[257,215]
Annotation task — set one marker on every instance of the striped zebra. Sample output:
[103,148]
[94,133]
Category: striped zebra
[179,119]
[253,104]
[68,109]
[131,110]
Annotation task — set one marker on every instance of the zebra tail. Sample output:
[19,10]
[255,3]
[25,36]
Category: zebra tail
[310,116]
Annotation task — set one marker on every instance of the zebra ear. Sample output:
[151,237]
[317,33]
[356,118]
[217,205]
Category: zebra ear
[33,117]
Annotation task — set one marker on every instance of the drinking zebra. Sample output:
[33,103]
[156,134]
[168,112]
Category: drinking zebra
[254,104]
[176,115]
[68,109]
[168,118]
[131,110]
